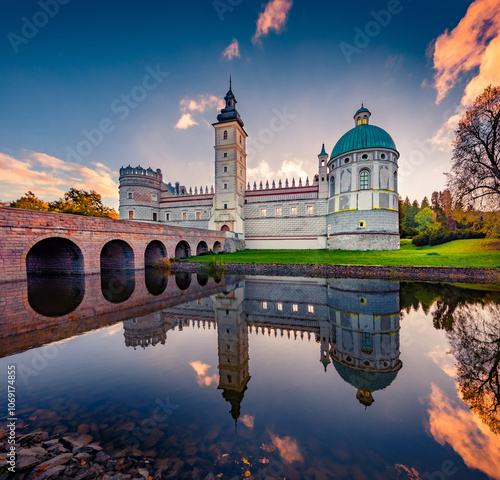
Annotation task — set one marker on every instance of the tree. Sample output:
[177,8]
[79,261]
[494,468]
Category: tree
[474,179]
[424,219]
[30,202]
[425,203]
[81,202]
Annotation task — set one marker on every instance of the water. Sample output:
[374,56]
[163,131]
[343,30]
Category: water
[262,377]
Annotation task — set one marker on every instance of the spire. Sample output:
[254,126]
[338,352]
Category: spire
[230,88]
[323,151]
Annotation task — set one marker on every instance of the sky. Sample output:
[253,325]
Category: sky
[88,86]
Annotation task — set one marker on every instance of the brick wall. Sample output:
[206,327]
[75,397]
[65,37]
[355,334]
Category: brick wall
[20,230]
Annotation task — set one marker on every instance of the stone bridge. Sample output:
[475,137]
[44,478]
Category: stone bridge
[45,242]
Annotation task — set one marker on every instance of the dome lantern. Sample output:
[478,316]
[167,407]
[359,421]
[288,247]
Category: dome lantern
[362,116]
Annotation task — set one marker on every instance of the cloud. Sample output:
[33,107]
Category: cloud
[50,177]
[444,360]
[468,46]
[394,62]
[473,46]
[287,447]
[232,51]
[185,122]
[273,17]
[288,169]
[202,378]
[201,104]
[248,420]
[450,423]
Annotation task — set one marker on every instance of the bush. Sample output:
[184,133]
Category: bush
[409,232]
[421,240]
[441,236]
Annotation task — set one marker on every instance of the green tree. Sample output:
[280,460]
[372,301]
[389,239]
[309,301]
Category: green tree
[30,202]
[81,202]
[425,203]
[424,219]
[474,179]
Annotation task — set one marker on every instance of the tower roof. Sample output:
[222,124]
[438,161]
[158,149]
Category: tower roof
[229,112]
[323,151]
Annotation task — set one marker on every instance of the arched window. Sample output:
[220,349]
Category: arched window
[332,186]
[359,120]
[395,181]
[365,120]
[225,134]
[364,179]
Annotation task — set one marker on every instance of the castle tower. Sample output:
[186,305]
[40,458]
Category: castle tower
[230,168]
[140,193]
[363,199]
[322,174]
[233,348]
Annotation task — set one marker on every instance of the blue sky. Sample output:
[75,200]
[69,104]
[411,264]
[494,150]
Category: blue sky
[416,69]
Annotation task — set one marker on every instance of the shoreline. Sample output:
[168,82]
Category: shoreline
[379,272]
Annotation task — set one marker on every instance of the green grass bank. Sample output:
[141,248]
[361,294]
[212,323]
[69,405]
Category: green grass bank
[477,253]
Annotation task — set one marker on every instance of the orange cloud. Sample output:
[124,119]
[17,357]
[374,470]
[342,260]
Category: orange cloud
[467,46]
[232,51]
[288,169]
[202,378]
[287,447]
[444,360]
[472,46]
[248,420]
[50,177]
[450,423]
[185,122]
[273,17]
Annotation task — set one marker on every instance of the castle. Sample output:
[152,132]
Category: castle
[350,204]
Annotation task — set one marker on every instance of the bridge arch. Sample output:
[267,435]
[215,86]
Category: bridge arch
[183,280]
[202,279]
[182,250]
[117,254]
[155,252]
[55,256]
[201,248]
[217,247]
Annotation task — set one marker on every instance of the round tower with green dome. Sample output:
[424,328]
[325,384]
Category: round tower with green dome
[363,193]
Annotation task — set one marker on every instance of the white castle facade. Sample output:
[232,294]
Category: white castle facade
[350,204]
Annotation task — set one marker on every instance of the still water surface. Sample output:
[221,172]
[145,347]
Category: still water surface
[262,377]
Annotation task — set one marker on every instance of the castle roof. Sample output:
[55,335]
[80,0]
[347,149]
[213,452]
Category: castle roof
[229,112]
[363,136]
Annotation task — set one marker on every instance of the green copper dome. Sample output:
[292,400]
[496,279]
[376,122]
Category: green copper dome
[363,136]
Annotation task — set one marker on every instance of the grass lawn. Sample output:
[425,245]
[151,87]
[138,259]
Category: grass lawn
[476,253]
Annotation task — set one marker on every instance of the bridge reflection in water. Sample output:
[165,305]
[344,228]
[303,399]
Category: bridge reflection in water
[355,323]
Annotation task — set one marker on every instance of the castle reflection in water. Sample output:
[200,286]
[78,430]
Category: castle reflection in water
[356,324]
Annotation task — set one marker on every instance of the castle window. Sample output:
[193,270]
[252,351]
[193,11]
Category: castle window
[167,217]
[225,155]
[293,210]
[346,160]
[225,186]
[365,120]
[229,379]
[240,139]
[225,169]
[364,179]
[382,156]
[262,212]
[309,210]
[241,171]
[362,224]
[184,215]
[264,305]
[310,309]
[130,195]
[366,342]
[332,186]
[359,120]
[155,217]
[225,206]
[295,308]
[198,215]
[278,211]
[365,157]
[225,134]
[395,181]
[279,307]
[131,215]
